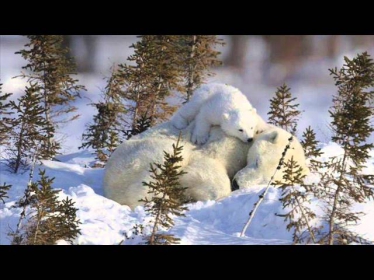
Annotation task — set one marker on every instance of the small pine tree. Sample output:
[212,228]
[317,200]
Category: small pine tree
[198,55]
[66,222]
[295,195]
[283,110]
[30,129]
[51,70]
[351,114]
[103,134]
[3,191]
[5,122]
[142,124]
[310,145]
[151,80]
[49,220]
[166,195]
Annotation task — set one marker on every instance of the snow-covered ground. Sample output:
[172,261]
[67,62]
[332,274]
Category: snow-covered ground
[212,222]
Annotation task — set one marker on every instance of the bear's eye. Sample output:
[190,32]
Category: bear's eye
[251,127]
[241,130]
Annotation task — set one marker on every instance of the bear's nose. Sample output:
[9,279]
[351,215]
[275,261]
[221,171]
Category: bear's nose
[235,185]
[250,140]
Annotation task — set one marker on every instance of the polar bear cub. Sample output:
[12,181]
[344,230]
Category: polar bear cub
[264,155]
[218,104]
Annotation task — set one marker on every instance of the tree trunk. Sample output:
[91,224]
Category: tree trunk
[236,57]
[306,221]
[190,74]
[135,115]
[87,62]
[19,149]
[333,44]
[155,227]
[335,204]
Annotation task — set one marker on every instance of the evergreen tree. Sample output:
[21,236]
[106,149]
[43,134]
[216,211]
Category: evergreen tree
[296,195]
[310,145]
[3,191]
[30,129]
[5,122]
[166,196]
[51,70]
[49,220]
[151,80]
[66,222]
[197,55]
[142,124]
[351,114]
[103,134]
[283,110]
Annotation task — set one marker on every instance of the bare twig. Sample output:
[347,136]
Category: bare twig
[262,196]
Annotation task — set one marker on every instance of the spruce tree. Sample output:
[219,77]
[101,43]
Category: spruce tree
[141,125]
[296,196]
[30,129]
[351,114]
[50,69]
[283,110]
[66,222]
[310,145]
[197,54]
[151,80]
[166,195]
[48,219]
[103,134]
[5,121]
[3,191]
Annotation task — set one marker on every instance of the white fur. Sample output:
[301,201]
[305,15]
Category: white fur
[264,155]
[217,104]
[209,168]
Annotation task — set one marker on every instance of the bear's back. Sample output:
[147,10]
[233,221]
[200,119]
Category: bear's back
[221,95]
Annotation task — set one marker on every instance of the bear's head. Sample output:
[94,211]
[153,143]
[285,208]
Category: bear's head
[240,124]
[264,156]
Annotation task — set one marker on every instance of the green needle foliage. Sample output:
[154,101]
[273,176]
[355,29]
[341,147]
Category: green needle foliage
[197,55]
[103,134]
[141,125]
[30,129]
[283,111]
[310,145]
[48,219]
[351,114]
[3,191]
[296,196]
[50,70]
[5,122]
[160,66]
[151,79]
[166,195]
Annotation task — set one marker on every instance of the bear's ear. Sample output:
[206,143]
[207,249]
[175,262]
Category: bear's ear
[226,116]
[254,110]
[273,137]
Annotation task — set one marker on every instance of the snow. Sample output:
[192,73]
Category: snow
[212,222]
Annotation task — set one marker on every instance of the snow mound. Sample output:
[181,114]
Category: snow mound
[211,222]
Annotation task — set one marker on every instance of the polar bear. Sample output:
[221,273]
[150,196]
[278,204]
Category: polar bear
[217,104]
[264,156]
[210,168]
